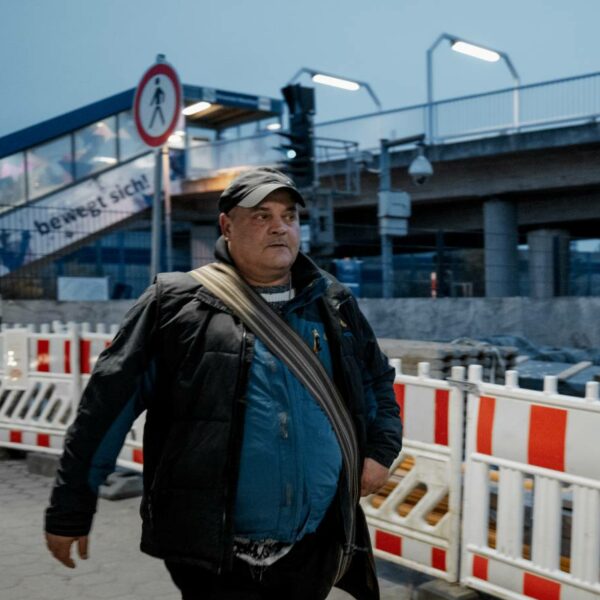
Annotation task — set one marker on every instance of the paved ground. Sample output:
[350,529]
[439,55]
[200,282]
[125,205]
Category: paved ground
[116,569]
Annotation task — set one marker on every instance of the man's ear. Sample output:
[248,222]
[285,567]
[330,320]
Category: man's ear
[225,224]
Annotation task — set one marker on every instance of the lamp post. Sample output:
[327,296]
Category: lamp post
[351,85]
[476,51]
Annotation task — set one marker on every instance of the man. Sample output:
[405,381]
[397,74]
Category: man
[245,471]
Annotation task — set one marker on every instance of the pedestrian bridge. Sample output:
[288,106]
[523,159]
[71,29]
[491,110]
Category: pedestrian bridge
[73,177]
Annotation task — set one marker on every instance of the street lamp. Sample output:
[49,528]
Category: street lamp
[351,85]
[477,51]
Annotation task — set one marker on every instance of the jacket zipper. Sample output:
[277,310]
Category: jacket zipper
[237,420]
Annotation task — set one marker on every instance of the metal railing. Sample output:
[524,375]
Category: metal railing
[206,160]
[542,105]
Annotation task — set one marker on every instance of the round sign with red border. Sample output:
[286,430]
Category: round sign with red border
[157,104]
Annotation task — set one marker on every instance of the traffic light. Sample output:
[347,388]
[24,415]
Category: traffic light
[298,143]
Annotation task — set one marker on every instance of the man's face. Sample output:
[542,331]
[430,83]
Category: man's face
[264,240]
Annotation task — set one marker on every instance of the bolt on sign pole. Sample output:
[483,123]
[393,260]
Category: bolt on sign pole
[156,110]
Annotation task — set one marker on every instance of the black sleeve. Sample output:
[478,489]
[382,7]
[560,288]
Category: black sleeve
[384,430]
[112,388]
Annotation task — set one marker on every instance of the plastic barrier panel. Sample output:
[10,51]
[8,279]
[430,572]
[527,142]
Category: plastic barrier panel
[531,510]
[415,519]
[43,374]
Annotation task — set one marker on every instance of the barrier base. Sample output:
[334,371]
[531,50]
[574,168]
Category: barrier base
[42,464]
[442,590]
[122,484]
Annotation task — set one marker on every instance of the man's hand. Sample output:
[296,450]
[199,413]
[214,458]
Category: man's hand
[60,547]
[373,477]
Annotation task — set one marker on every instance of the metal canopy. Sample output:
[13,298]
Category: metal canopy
[228,110]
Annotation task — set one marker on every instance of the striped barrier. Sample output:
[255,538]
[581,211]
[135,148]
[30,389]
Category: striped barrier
[531,509]
[532,492]
[415,519]
[42,375]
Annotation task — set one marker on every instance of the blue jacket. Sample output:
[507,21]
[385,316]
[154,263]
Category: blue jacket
[290,460]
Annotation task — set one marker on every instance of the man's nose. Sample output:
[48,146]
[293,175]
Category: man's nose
[278,225]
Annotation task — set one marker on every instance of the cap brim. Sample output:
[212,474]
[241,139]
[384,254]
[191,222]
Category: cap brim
[260,193]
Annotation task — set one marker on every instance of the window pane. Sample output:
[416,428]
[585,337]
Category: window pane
[95,147]
[12,181]
[130,143]
[49,166]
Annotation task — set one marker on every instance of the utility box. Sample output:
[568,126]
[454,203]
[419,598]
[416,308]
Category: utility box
[83,288]
[394,205]
[393,212]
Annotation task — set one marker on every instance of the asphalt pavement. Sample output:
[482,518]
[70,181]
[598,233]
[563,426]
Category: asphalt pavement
[116,569]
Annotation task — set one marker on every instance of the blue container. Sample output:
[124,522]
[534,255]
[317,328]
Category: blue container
[349,272]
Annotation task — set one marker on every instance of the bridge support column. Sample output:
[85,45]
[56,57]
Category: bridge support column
[202,244]
[548,263]
[501,253]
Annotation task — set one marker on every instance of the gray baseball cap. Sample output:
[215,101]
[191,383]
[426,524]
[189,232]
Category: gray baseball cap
[252,187]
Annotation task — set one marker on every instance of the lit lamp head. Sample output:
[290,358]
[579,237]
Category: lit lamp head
[475,51]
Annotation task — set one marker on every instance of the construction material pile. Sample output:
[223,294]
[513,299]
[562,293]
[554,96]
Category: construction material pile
[495,360]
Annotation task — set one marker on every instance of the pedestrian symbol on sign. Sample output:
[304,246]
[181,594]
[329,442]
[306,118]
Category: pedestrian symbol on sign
[157,103]
[157,99]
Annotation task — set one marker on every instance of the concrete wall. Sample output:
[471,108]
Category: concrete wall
[46,311]
[553,321]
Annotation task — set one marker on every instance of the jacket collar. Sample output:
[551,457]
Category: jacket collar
[305,273]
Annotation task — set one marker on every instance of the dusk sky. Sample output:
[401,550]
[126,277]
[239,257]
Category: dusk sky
[58,55]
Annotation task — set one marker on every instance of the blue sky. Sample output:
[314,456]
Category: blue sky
[58,55]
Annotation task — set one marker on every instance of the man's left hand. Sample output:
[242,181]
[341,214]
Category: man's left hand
[374,476]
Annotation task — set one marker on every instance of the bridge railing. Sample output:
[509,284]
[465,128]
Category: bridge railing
[206,160]
[542,105]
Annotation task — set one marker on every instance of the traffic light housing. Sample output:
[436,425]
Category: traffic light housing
[298,142]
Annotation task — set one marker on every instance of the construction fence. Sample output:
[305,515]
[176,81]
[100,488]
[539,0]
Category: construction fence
[496,486]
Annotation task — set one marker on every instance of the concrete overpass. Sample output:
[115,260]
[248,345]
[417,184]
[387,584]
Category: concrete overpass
[495,187]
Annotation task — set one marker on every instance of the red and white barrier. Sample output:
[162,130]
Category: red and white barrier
[92,344]
[531,510]
[42,375]
[401,531]
[536,454]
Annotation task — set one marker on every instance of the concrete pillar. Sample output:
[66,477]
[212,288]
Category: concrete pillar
[548,263]
[202,244]
[501,252]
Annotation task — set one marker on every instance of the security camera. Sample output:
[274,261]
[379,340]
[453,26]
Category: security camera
[420,169]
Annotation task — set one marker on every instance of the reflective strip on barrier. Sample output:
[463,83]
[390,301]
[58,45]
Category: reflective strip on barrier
[416,553]
[91,346]
[25,439]
[424,412]
[49,353]
[551,437]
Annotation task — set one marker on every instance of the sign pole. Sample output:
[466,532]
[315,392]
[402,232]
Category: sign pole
[156,110]
[156,216]
[168,223]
